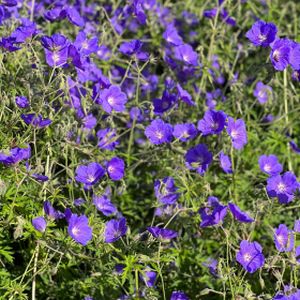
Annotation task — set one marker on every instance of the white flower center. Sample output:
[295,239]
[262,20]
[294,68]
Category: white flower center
[111,100]
[247,257]
[281,187]
[85,45]
[55,57]
[267,168]
[75,230]
[234,134]
[262,37]
[110,169]
[276,55]
[91,178]
[261,93]
[280,240]
[159,134]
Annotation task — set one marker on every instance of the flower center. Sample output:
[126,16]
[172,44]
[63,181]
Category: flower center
[234,134]
[185,134]
[111,100]
[281,187]
[267,168]
[247,257]
[159,135]
[276,55]
[262,37]
[261,93]
[55,57]
[75,230]
[91,178]
[110,169]
[280,240]
[85,45]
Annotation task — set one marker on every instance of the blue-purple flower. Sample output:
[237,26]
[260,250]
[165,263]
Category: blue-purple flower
[213,122]
[104,204]
[179,295]
[107,139]
[262,92]
[22,101]
[115,229]
[166,190]
[116,168]
[15,155]
[39,224]
[112,98]
[262,33]
[185,132]
[186,54]
[89,174]
[225,162]
[283,187]
[270,165]
[238,214]
[280,54]
[198,158]
[213,214]
[36,120]
[162,233]
[79,229]
[159,132]
[283,239]
[237,132]
[250,256]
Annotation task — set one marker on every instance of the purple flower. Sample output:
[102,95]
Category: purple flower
[51,212]
[15,155]
[107,139]
[294,147]
[171,36]
[283,239]
[166,190]
[262,92]
[115,168]
[39,224]
[114,229]
[90,174]
[213,214]
[134,47]
[185,96]
[179,295]
[213,122]
[104,52]
[225,163]
[22,101]
[84,45]
[159,132]
[40,177]
[294,58]
[250,256]
[297,226]
[280,54]
[79,229]
[162,233]
[239,215]
[24,32]
[282,187]
[198,158]
[165,103]
[185,132]
[149,277]
[112,99]
[262,33]
[89,122]
[56,49]
[186,54]
[74,16]
[237,131]
[269,164]
[104,205]
[212,265]
[35,120]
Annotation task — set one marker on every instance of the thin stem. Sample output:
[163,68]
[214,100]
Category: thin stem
[286,112]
